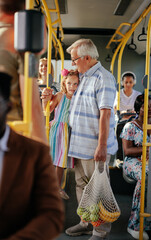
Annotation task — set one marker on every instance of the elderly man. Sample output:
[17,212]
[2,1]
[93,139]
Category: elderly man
[92,122]
[30,205]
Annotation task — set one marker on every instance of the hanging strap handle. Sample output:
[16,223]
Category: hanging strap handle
[142,36]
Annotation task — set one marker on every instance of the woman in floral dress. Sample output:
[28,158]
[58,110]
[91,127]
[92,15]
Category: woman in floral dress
[132,139]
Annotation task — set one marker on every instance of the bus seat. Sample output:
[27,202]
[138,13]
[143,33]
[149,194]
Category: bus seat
[120,124]
[128,179]
[120,153]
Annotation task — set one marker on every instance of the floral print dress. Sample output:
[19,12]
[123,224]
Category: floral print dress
[132,167]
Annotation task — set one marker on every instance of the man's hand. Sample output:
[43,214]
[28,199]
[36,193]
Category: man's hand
[100,153]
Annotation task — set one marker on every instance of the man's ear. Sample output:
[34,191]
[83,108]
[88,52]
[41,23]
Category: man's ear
[88,58]
[9,106]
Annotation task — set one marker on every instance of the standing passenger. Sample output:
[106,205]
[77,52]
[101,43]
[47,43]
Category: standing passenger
[59,129]
[42,75]
[92,122]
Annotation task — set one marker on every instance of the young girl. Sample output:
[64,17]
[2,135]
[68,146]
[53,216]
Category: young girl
[59,130]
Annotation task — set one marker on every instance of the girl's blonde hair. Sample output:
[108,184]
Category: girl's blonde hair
[63,81]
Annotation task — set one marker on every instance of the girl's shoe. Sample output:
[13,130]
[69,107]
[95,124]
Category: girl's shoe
[63,194]
[135,234]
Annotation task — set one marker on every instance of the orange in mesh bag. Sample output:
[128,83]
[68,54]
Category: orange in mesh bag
[98,204]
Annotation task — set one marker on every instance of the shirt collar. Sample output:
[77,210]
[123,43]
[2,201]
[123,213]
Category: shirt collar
[91,71]
[4,140]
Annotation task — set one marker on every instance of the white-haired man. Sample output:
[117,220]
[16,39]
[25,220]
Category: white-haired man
[92,122]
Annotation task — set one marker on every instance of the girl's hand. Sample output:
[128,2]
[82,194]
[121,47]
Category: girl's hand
[46,96]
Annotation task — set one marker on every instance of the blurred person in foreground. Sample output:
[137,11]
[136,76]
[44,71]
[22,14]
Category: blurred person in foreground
[92,121]
[30,205]
[11,62]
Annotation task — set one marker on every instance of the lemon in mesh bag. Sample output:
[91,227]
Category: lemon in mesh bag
[98,204]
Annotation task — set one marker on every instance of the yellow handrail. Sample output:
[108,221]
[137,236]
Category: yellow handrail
[47,113]
[52,37]
[145,127]
[117,32]
[121,47]
[58,47]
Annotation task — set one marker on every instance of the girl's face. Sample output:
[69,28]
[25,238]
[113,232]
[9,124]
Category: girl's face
[71,84]
[128,83]
[43,68]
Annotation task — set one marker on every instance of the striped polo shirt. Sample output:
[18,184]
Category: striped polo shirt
[98,91]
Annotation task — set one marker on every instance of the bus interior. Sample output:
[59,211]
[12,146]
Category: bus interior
[121,31]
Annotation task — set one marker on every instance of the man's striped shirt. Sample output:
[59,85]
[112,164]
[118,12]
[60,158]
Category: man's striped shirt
[97,92]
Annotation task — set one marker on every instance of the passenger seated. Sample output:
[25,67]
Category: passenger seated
[132,138]
[127,94]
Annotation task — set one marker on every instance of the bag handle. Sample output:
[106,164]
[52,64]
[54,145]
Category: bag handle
[100,166]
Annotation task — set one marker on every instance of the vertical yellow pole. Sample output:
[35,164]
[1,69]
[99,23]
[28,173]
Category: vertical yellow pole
[50,31]
[48,60]
[147,71]
[114,57]
[124,41]
[28,84]
[56,63]
[119,71]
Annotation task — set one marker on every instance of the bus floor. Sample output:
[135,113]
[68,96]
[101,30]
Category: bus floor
[123,194]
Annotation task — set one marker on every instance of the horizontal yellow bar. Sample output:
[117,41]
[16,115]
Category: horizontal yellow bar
[147,126]
[146,144]
[46,114]
[145,214]
[119,33]
[114,35]
[53,10]
[55,22]
[20,126]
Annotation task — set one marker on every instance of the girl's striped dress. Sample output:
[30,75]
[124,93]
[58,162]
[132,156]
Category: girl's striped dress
[59,135]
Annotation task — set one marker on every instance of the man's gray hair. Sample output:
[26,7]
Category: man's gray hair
[85,47]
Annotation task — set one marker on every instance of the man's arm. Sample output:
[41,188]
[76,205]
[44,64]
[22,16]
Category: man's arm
[101,150]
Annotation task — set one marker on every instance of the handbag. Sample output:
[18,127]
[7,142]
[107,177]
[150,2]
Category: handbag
[98,204]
